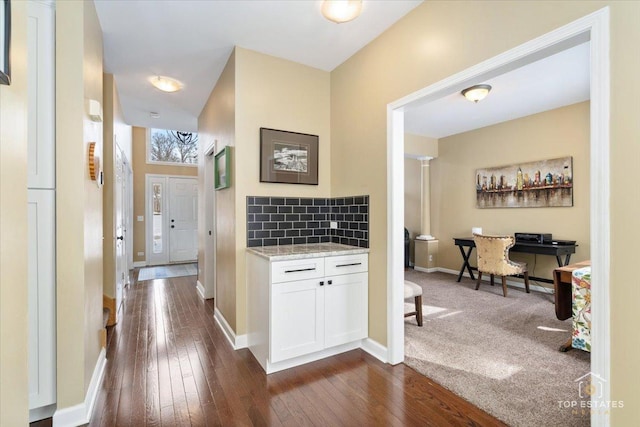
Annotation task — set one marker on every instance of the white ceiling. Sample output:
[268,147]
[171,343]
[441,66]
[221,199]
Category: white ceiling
[552,82]
[192,40]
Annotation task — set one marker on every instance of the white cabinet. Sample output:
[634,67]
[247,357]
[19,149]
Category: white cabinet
[297,317]
[41,93]
[41,208]
[302,310]
[345,309]
[41,280]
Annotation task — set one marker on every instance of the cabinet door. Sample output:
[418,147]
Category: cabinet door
[41,93]
[41,279]
[297,319]
[346,308]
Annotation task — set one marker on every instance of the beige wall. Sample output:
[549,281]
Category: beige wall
[420,146]
[216,124]
[412,199]
[278,94]
[13,230]
[114,128]
[440,38]
[140,169]
[79,200]
[552,134]
[268,92]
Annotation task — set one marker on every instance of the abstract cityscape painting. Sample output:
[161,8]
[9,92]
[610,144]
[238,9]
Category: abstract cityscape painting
[541,184]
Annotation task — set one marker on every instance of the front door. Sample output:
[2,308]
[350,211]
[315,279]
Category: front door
[172,228]
[183,219]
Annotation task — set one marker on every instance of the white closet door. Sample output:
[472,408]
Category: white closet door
[41,279]
[41,92]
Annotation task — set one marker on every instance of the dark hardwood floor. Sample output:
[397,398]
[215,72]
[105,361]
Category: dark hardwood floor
[169,364]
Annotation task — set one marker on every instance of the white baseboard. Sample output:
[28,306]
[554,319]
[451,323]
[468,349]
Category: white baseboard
[270,368]
[237,342]
[512,283]
[426,270]
[375,349]
[200,289]
[139,264]
[81,414]
[37,414]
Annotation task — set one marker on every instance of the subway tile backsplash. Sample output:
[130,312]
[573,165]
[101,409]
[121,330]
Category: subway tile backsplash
[275,221]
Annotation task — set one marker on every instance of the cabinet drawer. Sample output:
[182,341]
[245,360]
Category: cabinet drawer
[298,269]
[346,264]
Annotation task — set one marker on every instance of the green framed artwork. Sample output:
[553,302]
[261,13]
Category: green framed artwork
[223,169]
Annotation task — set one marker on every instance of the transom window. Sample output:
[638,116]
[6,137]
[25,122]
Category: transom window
[170,146]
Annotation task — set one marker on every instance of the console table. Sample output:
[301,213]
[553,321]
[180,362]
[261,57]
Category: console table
[557,250]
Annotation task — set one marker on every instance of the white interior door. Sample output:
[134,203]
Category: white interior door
[119,206]
[183,219]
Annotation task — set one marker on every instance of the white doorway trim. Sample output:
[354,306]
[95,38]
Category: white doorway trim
[594,27]
[208,288]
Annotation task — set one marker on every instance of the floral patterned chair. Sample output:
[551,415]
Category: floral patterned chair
[581,309]
[493,258]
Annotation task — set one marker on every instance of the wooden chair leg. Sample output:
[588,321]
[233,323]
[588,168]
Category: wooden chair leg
[504,285]
[419,310]
[478,281]
[566,346]
[492,277]
[526,280]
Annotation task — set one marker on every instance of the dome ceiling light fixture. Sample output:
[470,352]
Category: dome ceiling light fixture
[166,84]
[340,11]
[476,93]
[154,115]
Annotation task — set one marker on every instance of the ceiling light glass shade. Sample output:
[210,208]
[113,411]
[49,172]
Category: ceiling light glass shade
[166,84]
[476,93]
[340,11]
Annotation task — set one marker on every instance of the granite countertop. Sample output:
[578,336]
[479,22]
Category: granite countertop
[311,250]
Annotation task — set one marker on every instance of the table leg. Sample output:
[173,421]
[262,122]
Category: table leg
[465,263]
[567,258]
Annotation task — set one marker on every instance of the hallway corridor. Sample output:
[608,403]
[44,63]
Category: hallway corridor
[168,363]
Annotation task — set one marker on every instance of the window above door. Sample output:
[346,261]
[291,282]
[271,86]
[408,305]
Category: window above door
[170,147]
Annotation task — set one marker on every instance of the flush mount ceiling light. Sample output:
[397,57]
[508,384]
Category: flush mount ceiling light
[154,115]
[165,84]
[340,11]
[476,93]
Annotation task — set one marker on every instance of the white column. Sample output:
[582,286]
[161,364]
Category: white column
[426,198]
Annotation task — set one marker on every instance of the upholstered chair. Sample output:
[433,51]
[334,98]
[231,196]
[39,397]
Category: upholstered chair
[581,310]
[493,259]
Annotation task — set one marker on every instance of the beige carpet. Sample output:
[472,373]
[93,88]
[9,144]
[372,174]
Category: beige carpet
[499,353]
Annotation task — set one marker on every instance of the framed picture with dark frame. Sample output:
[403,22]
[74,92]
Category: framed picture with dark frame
[288,157]
[222,169]
[5,41]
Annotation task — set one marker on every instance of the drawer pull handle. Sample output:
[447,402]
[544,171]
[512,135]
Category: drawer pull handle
[302,269]
[349,265]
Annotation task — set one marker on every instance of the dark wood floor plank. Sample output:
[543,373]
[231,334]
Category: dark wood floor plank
[170,364]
